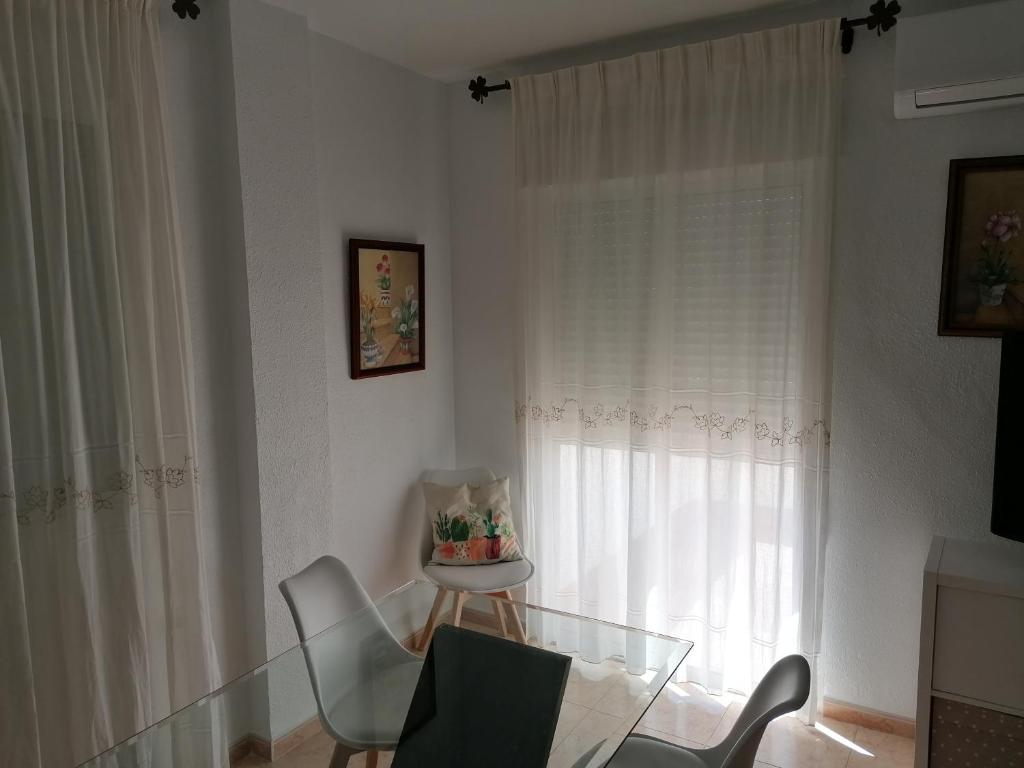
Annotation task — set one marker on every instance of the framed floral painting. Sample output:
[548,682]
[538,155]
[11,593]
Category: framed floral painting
[983,265]
[386,307]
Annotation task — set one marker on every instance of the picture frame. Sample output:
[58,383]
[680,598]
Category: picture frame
[386,307]
[982,291]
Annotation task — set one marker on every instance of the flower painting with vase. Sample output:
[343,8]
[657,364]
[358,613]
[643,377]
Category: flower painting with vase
[983,268]
[407,321]
[386,283]
[384,279]
[369,348]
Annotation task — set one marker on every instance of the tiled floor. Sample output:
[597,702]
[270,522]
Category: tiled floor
[685,715]
[602,703]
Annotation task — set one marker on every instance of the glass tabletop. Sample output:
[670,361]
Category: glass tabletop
[353,682]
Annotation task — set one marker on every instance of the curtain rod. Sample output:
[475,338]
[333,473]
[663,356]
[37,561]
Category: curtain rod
[881,18]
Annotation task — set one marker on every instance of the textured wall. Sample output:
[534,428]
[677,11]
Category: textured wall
[201,112]
[913,414]
[484,332]
[275,170]
[382,162]
[277,165]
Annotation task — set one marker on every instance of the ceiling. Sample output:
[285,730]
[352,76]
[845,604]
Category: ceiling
[452,39]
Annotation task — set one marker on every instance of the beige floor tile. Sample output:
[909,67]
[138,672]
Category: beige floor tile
[627,694]
[588,683]
[569,717]
[574,746]
[887,751]
[314,751]
[598,724]
[788,743]
[594,728]
[682,742]
[357,761]
[670,738]
[685,711]
[681,714]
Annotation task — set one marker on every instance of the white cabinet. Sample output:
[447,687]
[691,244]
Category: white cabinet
[970,707]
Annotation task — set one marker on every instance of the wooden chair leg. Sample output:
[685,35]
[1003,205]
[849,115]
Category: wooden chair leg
[500,615]
[341,755]
[458,602]
[428,628]
[517,625]
[371,758]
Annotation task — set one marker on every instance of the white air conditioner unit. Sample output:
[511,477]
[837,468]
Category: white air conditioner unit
[959,61]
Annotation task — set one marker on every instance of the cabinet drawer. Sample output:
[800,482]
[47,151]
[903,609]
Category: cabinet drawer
[979,639]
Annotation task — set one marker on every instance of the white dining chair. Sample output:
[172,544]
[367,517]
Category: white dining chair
[784,689]
[363,678]
[495,580]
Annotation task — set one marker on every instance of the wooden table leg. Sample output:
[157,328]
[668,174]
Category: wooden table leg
[500,615]
[457,605]
[517,625]
[371,758]
[428,628]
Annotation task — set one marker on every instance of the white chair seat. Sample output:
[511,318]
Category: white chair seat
[496,577]
[642,752]
[370,715]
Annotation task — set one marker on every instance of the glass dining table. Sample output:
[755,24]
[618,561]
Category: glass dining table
[270,715]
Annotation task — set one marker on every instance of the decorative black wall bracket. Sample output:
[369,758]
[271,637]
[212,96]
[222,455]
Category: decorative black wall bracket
[881,18]
[183,8]
[479,88]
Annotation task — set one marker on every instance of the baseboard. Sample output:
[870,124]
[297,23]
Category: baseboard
[276,749]
[250,744]
[240,750]
[295,737]
[869,718]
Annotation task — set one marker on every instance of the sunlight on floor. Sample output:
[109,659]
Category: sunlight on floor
[839,738]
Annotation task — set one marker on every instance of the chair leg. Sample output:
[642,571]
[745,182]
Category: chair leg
[457,603]
[428,628]
[371,758]
[517,625]
[500,615]
[341,755]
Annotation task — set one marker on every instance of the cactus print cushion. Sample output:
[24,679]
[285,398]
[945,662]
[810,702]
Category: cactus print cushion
[471,525]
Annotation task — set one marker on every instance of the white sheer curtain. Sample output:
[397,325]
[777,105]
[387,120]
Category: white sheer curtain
[106,624]
[674,216]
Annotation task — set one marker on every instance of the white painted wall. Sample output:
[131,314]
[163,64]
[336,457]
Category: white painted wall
[333,143]
[201,114]
[382,161]
[287,143]
[277,163]
[913,414]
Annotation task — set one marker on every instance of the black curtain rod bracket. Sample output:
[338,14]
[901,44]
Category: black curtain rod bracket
[881,18]
[183,8]
[478,88]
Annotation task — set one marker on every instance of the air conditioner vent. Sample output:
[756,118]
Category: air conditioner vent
[959,61]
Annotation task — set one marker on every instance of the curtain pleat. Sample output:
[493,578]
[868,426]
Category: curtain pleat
[98,469]
[674,224]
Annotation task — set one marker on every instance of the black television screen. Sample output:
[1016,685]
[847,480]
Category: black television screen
[1007,490]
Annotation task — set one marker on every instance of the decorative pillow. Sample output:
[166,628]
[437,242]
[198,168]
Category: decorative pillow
[471,525]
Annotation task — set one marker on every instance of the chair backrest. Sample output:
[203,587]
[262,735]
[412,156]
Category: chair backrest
[325,594]
[473,476]
[784,689]
[322,594]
